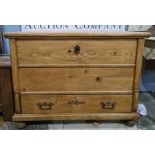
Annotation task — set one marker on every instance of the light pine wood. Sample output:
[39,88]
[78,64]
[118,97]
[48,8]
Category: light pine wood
[77,92]
[17,103]
[46,70]
[138,68]
[76,79]
[85,103]
[130,123]
[14,64]
[77,35]
[74,116]
[77,65]
[44,52]
[20,125]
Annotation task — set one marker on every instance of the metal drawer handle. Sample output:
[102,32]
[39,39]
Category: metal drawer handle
[76,102]
[45,106]
[77,49]
[108,105]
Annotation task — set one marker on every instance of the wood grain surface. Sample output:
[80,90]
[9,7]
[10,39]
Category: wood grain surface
[75,103]
[76,79]
[138,69]
[48,52]
[72,35]
[76,116]
[48,73]
[14,64]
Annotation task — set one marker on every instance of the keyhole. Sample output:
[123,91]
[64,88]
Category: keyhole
[77,49]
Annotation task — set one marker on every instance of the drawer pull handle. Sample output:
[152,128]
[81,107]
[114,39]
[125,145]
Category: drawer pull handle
[77,49]
[45,106]
[76,102]
[108,105]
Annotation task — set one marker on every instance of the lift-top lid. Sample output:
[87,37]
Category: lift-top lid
[77,34]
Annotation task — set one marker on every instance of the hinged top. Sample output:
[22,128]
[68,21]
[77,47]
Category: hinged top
[77,35]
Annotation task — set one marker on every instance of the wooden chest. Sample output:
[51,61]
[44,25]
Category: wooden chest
[76,76]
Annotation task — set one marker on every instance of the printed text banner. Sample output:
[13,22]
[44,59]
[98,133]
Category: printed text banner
[73,28]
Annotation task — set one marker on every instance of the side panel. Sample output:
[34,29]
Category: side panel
[139,58]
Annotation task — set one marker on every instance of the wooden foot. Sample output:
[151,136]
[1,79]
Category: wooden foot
[20,125]
[95,123]
[130,123]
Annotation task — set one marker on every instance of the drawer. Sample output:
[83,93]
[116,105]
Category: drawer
[76,79]
[66,52]
[44,104]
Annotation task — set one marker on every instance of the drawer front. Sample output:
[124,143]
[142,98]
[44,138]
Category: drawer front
[61,52]
[76,79]
[44,104]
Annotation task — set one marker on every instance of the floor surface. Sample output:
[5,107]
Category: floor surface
[145,123]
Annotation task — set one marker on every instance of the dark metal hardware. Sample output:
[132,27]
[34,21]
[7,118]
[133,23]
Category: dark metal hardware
[76,102]
[108,105]
[45,106]
[77,49]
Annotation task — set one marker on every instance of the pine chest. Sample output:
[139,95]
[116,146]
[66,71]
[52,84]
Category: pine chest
[76,76]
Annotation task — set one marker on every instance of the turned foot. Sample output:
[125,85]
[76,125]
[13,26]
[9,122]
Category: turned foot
[20,125]
[95,123]
[130,123]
